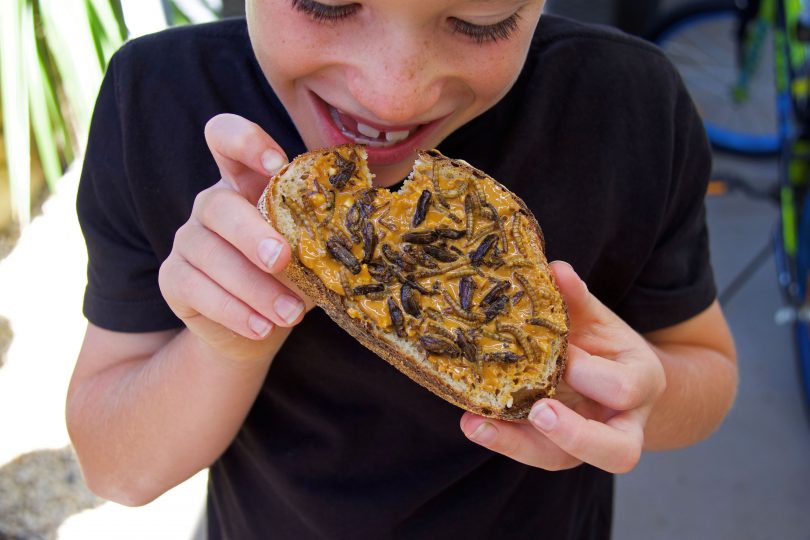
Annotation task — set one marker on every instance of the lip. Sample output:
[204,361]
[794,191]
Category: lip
[376,156]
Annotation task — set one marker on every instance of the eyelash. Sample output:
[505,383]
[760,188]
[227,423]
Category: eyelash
[487,33]
[480,34]
[323,13]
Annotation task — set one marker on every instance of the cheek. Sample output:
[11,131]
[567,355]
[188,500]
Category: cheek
[490,75]
[284,43]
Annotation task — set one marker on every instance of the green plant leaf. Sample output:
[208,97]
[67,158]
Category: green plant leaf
[45,136]
[14,91]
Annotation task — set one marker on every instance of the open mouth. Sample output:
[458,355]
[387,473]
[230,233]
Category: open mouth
[366,134]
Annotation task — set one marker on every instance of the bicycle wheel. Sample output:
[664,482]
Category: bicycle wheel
[700,39]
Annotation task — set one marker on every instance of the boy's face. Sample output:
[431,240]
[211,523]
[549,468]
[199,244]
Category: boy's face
[396,75]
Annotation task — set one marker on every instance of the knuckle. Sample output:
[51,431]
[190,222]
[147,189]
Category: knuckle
[201,201]
[233,314]
[246,135]
[628,393]
[561,463]
[627,461]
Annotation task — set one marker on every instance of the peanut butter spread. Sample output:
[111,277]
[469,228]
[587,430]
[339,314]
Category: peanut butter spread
[451,263]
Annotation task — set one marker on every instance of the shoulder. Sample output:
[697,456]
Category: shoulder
[595,56]
[228,34]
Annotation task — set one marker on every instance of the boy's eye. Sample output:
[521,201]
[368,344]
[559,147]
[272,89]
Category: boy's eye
[325,13]
[487,33]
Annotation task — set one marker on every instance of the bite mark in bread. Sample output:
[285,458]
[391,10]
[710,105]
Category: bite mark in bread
[445,279]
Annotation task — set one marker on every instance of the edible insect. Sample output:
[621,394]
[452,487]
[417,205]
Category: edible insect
[496,307]
[457,191]
[466,345]
[472,317]
[353,221]
[450,234]
[420,237]
[419,255]
[439,345]
[421,208]
[369,241]
[517,235]
[440,330]
[298,215]
[495,292]
[397,319]
[501,230]
[517,297]
[477,256]
[545,323]
[364,290]
[505,357]
[394,257]
[380,271]
[435,180]
[409,302]
[448,213]
[521,337]
[344,282]
[342,255]
[441,254]
[504,338]
[466,288]
[534,298]
[346,170]
[469,213]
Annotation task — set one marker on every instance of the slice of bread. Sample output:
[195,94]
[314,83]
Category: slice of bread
[445,279]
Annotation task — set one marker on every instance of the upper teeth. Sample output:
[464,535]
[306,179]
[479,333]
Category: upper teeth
[368,131]
[396,136]
[370,135]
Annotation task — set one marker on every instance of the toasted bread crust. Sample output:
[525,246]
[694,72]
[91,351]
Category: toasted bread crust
[373,338]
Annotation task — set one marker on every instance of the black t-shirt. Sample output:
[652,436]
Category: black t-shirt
[599,138]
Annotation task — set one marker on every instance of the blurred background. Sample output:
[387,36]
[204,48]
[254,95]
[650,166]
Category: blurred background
[751,480]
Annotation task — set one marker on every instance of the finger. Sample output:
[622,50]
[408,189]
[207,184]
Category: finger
[239,223]
[583,307]
[614,446]
[245,154]
[191,293]
[227,267]
[516,440]
[618,385]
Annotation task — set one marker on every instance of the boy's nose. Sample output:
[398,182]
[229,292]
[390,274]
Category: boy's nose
[396,88]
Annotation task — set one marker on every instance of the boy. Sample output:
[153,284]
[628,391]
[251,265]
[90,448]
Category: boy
[187,314]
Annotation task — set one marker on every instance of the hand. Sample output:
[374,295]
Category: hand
[223,276]
[612,380]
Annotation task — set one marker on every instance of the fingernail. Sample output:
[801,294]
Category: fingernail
[484,434]
[543,417]
[272,161]
[269,251]
[288,308]
[260,325]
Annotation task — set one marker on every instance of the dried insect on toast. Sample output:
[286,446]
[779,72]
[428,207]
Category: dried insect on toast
[431,277]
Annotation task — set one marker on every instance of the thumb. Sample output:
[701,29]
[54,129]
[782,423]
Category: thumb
[246,155]
[583,307]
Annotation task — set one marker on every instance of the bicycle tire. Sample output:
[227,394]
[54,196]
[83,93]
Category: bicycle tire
[699,39]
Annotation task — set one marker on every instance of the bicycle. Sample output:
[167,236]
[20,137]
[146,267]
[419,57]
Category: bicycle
[747,66]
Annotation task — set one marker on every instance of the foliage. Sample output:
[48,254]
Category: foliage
[53,54]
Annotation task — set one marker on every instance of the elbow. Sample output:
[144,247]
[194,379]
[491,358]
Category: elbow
[106,473]
[116,486]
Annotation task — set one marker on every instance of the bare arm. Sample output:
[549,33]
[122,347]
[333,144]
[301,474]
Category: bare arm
[700,362]
[146,411]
